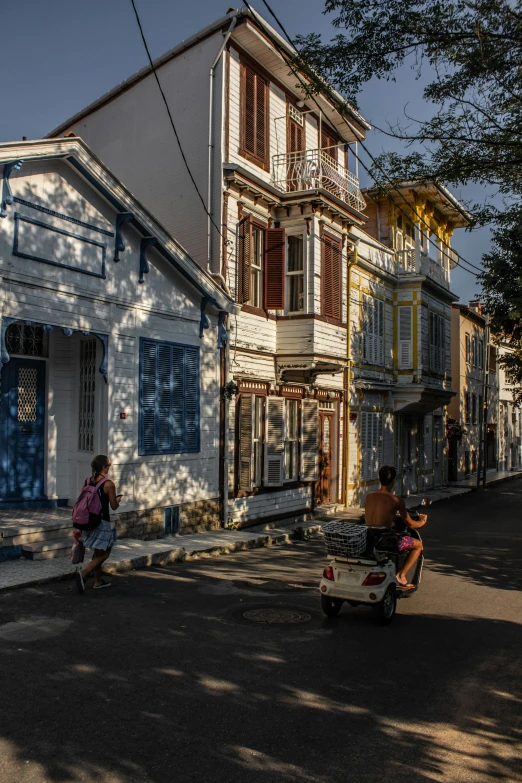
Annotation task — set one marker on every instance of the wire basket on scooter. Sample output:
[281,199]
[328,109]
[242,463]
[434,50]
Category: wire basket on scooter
[344,539]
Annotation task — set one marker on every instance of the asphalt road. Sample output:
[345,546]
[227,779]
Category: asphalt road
[162,678]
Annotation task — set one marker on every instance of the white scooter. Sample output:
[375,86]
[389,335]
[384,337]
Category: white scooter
[367,578]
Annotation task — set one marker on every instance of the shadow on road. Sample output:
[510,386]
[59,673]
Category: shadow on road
[159,681]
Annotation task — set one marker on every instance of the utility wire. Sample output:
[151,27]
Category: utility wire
[291,42]
[172,121]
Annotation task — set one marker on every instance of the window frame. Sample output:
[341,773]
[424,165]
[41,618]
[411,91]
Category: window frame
[373,312]
[371,454]
[292,274]
[467,343]
[196,449]
[260,270]
[87,398]
[292,403]
[467,407]
[437,352]
[258,407]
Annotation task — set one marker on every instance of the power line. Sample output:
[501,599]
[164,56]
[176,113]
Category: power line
[172,121]
[290,40]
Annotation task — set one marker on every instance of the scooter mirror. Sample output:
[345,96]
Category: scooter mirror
[426,502]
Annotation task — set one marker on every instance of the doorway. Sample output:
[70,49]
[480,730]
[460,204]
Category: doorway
[409,451]
[323,487]
[23,430]
[491,452]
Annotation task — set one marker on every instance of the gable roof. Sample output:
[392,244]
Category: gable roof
[80,157]
[329,97]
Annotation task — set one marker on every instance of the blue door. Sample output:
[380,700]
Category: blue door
[23,428]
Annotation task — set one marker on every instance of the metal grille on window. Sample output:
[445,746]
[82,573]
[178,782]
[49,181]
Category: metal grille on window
[87,395]
[27,394]
[26,340]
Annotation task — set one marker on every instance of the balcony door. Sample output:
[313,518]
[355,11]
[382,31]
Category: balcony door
[295,146]
[323,487]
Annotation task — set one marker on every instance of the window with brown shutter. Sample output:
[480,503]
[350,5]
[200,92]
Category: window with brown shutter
[250,275]
[332,255]
[254,116]
[244,252]
[275,269]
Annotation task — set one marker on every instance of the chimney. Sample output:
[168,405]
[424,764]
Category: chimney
[475,304]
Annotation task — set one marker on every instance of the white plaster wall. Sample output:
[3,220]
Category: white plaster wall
[133,136]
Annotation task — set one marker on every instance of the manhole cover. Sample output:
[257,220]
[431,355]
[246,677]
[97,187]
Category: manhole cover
[276,616]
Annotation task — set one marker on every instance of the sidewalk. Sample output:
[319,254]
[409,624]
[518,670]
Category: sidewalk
[129,553]
[492,477]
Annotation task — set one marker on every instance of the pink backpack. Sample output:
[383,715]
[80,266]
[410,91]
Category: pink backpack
[87,510]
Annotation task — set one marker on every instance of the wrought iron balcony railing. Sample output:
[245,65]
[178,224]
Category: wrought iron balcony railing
[313,169]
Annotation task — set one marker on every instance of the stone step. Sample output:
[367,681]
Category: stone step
[45,550]
[12,530]
[47,534]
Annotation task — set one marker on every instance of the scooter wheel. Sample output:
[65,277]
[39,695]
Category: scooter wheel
[384,611]
[331,606]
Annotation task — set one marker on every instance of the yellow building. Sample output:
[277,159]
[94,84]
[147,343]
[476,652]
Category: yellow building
[400,362]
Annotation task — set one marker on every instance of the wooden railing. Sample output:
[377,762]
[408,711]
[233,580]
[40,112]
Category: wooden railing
[409,262]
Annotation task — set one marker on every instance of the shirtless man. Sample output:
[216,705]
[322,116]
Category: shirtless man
[380,510]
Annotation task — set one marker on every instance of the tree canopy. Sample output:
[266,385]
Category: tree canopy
[473,51]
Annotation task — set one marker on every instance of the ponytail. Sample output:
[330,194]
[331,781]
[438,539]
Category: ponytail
[98,464]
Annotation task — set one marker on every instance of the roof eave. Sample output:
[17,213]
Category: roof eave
[122,200]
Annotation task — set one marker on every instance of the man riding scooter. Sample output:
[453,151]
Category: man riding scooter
[381,508]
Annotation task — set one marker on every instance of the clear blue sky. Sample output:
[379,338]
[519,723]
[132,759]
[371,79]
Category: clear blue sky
[59,55]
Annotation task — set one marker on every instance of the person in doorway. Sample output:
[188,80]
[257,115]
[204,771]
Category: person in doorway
[102,538]
[380,510]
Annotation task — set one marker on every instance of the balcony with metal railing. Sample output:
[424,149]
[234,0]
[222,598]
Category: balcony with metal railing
[412,262]
[316,170]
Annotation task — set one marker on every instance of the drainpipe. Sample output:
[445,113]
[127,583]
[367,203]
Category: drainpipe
[348,375]
[210,133]
[223,426]
[219,276]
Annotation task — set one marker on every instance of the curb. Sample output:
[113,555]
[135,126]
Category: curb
[180,554]
[491,483]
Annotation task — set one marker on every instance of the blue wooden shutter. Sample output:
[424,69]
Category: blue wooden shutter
[148,397]
[169,413]
[191,399]
[177,412]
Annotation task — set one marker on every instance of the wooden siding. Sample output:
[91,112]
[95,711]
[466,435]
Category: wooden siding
[285,501]
[164,307]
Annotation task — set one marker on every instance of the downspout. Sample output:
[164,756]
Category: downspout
[348,376]
[210,134]
[219,276]
[223,427]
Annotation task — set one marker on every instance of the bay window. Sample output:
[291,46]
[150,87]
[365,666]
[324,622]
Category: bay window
[295,274]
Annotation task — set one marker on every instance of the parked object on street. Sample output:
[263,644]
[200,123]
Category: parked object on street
[369,579]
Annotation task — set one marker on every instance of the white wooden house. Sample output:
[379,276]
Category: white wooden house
[111,342]
[324,294]
[277,180]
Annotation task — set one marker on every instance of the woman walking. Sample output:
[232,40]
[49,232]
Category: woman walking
[102,538]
